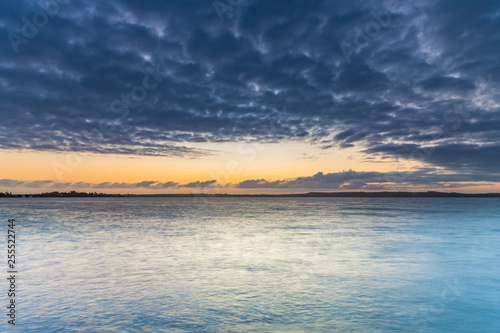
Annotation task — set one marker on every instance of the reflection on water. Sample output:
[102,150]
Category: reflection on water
[257,264]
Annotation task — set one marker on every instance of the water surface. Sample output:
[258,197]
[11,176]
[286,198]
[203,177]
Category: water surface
[257,264]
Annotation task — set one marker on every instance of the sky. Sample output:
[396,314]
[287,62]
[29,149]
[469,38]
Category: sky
[249,96]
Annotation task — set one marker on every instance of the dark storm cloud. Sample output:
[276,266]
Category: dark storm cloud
[270,71]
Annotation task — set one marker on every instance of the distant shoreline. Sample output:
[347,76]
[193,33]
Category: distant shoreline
[428,194]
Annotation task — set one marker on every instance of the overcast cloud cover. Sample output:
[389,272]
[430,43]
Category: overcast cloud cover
[269,71]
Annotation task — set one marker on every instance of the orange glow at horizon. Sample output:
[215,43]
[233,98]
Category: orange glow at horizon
[228,163]
[237,162]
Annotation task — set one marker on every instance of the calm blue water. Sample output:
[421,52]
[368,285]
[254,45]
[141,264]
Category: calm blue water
[255,264]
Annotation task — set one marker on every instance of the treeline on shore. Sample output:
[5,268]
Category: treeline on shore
[428,194]
[59,194]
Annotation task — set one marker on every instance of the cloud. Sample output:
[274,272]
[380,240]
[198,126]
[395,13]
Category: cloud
[370,180]
[147,184]
[10,183]
[21,183]
[440,84]
[344,180]
[273,72]
[198,184]
[470,158]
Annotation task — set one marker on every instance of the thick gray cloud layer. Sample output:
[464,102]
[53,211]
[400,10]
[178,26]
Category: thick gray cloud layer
[388,77]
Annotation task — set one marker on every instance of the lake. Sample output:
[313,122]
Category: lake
[255,264]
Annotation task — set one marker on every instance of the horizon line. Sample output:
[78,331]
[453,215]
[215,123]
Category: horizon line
[428,194]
